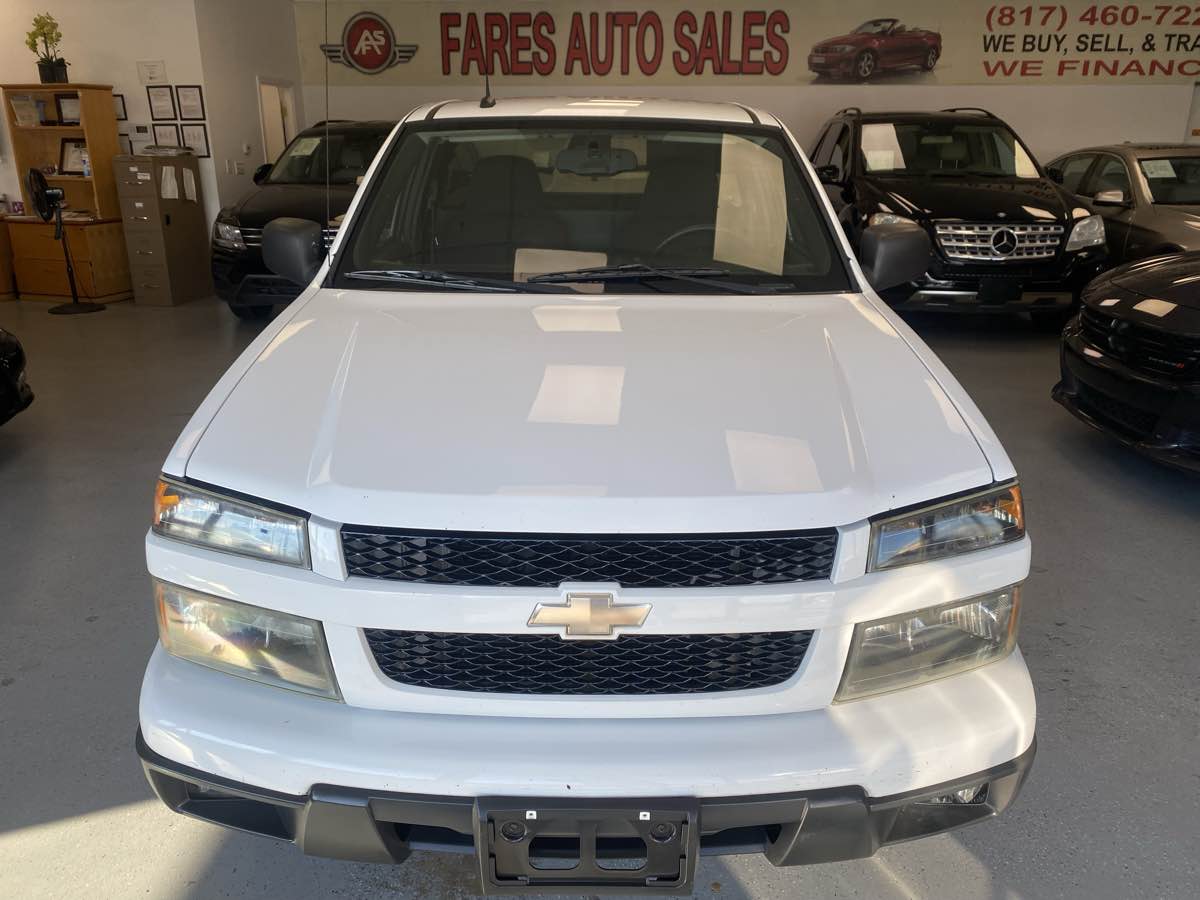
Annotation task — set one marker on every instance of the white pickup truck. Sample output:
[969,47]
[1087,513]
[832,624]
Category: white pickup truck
[588,512]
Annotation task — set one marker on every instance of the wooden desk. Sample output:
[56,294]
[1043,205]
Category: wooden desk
[97,251]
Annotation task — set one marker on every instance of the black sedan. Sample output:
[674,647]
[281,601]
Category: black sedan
[15,394]
[1131,358]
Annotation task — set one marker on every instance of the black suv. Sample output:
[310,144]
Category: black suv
[1006,236]
[293,186]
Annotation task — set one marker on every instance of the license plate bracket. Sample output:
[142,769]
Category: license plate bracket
[527,845]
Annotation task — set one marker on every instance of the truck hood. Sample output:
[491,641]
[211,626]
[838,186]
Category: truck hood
[974,200]
[588,414]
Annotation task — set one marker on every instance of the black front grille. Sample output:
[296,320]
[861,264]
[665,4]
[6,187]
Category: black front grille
[547,664]
[524,560]
[1141,347]
[1137,423]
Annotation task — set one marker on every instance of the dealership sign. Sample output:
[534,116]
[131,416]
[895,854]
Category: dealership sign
[556,43]
[368,45]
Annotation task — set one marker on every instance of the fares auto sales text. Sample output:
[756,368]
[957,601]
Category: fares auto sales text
[752,42]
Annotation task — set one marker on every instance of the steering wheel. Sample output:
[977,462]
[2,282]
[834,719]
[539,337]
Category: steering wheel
[682,233]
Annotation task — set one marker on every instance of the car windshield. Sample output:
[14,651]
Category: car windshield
[945,148]
[303,162]
[875,26]
[716,206]
[1173,180]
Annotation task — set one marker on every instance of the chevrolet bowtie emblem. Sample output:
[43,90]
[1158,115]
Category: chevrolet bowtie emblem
[589,615]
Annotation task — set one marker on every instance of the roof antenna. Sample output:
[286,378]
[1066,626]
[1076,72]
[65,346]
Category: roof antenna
[488,100]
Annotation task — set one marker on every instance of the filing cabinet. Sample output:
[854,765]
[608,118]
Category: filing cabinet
[166,234]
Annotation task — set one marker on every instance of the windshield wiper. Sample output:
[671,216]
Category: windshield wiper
[442,279]
[641,272]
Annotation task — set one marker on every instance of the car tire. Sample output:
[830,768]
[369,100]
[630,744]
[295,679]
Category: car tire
[865,65]
[252,313]
[931,59]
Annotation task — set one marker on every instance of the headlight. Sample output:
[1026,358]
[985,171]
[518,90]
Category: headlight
[913,648]
[842,48]
[887,219]
[991,517]
[1088,232]
[228,235]
[259,644]
[210,520]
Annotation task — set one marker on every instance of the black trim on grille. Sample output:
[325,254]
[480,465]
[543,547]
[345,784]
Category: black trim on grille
[483,559]
[548,664]
[1141,347]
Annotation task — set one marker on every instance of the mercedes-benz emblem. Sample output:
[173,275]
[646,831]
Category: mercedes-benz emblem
[1004,242]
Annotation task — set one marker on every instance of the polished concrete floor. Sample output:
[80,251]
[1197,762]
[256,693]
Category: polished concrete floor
[1110,632]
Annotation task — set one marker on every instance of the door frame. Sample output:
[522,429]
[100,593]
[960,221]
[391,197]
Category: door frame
[280,84]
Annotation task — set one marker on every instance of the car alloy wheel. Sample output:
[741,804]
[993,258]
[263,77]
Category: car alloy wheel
[931,59]
[865,64]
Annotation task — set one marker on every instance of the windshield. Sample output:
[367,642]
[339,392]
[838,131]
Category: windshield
[517,201]
[303,162]
[875,26]
[1173,180]
[967,148]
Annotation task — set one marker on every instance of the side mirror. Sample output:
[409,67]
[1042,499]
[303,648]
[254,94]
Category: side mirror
[1055,174]
[894,254]
[261,173]
[1109,198]
[829,174]
[293,248]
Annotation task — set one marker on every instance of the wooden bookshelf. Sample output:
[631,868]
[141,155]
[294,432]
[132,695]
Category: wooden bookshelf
[100,266]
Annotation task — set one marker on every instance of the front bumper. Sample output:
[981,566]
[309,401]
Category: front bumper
[814,826]
[831,64]
[999,287]
[14,398]
[1155,416]
[241,278]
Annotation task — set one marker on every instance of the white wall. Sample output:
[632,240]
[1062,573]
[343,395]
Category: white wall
[242,41]
[1051,119]
[102,39]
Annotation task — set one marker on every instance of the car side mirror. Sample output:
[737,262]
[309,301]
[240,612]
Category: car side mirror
[293,249]
[1055,174]
[829,174]
[1109,198]
[894,254]
[261,173]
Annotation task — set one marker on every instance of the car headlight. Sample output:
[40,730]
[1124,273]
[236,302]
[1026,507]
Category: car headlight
[916,647]
[1088,232]
[218,522]
[841,48]
[228,235]
[260,644]
[975,522]
[887,219]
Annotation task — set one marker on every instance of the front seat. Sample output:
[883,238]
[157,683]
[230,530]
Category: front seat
[503,209]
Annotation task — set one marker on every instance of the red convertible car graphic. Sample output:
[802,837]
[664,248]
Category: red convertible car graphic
[875,46]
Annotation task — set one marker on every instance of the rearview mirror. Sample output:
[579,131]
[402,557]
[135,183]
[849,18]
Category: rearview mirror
[293,249]
[1109,198]
[261,173]
[894,254]
[595,159]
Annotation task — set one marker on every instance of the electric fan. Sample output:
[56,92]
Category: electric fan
[47,203]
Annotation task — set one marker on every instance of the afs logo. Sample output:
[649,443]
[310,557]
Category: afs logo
[369,45]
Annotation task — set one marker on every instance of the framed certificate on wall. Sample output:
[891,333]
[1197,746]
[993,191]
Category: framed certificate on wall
[191,102]
[196,137]
[162,102]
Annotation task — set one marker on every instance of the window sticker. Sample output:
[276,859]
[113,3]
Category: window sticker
[1158,168]
[305,146]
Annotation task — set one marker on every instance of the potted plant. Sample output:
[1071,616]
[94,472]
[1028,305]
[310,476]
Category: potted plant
[52,68]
